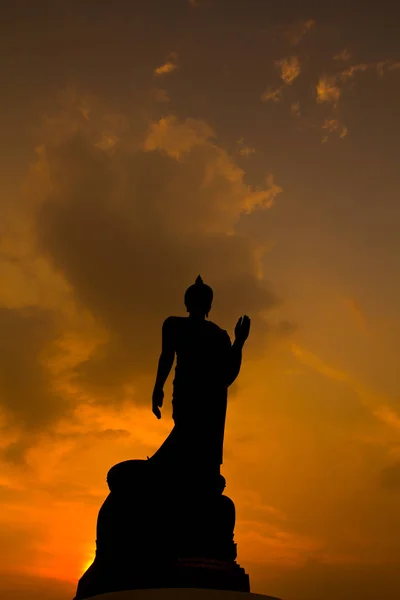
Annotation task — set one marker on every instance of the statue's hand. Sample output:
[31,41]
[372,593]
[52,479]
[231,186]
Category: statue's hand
[158,398]
[242,329]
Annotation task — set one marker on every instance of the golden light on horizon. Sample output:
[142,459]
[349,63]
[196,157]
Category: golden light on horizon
[87,563]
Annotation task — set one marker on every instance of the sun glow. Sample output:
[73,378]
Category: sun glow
[86,564]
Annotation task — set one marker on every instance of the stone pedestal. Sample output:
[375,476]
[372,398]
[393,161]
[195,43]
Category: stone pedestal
[183,574]
[182,594]
[163,529]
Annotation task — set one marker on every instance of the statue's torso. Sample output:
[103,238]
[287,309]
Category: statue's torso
[199,388]
[202,350]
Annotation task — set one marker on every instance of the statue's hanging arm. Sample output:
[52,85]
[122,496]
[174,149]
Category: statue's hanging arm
[165,364]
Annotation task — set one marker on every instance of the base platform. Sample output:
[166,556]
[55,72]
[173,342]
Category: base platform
[182,594]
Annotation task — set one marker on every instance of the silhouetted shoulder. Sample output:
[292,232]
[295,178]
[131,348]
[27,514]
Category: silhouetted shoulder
[170,328]
[219,331]
[171,322]
[213,325]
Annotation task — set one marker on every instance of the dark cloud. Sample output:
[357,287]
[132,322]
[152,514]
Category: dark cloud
[131,229]
[15,452]
[26,392]
[390,477]
[345,578]
[21,540]
[20,586]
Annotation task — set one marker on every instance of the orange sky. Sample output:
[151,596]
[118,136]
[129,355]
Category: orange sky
[255,143]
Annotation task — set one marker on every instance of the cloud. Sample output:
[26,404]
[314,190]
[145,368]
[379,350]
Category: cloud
[344,55]
[380,67]
[392,66]
[161,95]
[334,126]
[357,312]
[387,415]
[367,581]
[20,537]
[295,109]
[168,67]
[116,218]
[242,149]
[129,225]
[175,137]
[328,90]
[272,94]
[269,545]
[329,87]
[295,34]
[352,70]
[22,586]
[390,477]
[378,405]
[289,69]
[26,387]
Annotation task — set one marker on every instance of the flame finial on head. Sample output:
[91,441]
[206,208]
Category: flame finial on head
[199,281]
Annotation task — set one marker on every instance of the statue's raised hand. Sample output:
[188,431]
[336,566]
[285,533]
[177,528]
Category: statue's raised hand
[158,398]
[242,330]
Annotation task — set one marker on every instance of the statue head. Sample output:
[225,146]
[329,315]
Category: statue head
[198,298]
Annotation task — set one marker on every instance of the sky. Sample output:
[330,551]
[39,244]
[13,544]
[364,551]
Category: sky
[253,142]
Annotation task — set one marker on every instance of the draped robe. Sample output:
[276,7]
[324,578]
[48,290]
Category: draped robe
[200,391]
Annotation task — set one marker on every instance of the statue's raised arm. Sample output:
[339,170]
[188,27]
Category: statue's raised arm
[242,331]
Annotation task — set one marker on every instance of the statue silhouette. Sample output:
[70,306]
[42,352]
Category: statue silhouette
[190,542]
[206,365]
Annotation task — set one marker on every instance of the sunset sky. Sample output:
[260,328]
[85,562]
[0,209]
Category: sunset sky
[255,142]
